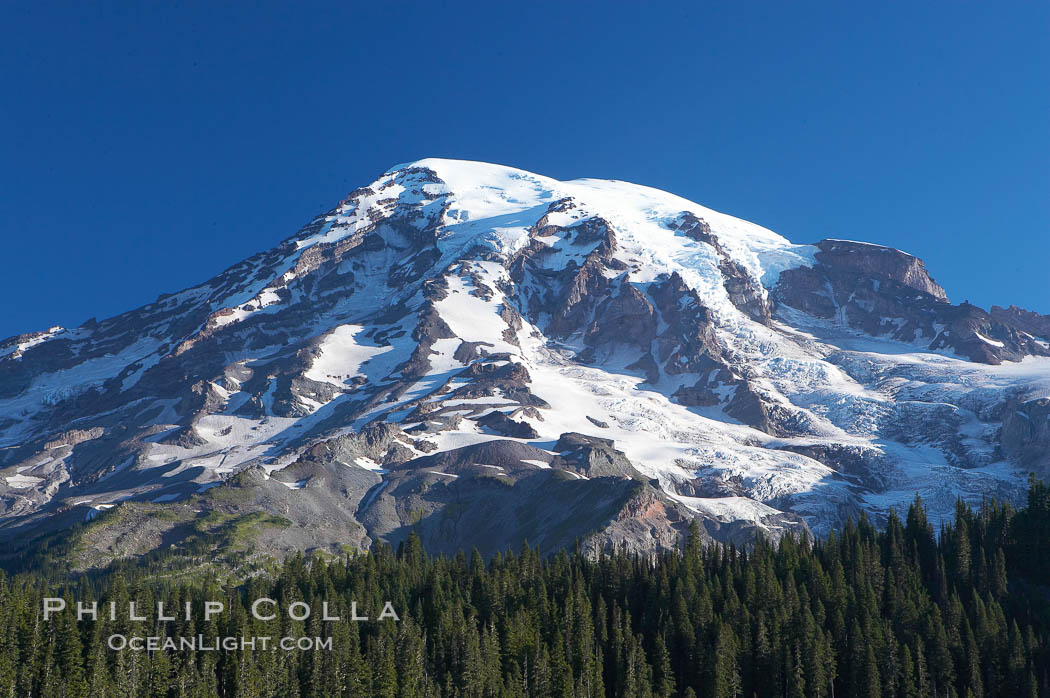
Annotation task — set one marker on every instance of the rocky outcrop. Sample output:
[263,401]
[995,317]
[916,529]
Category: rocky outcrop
[878,262]
[571,292]
[701,394]
[385,444]
[884,292]
[874,289]
[1024,320]
[74,437]
[626,317]
[592,456]
[752,408]
[971,332]
[503,425]
[647,522]
[1025,435]
[689,343]
[745,292]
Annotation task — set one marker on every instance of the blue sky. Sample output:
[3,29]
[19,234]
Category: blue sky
[148,146]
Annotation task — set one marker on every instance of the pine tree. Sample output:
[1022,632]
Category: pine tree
[726,675]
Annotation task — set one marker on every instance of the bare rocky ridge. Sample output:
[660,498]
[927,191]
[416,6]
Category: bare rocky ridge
[1025,320]
[886,292]
[485,355]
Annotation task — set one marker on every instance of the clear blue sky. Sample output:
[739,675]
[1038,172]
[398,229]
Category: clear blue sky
[147,147]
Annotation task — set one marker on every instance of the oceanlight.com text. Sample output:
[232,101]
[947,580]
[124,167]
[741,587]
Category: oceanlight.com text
[200,643]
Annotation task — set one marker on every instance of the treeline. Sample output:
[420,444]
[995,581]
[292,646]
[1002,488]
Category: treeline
[903,611]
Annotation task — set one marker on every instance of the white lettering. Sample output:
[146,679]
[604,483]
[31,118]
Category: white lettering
[160,612]
[91,610]
[53,605]
[255,609]
[305,612]
[131,613]
[388,612]
[212,608]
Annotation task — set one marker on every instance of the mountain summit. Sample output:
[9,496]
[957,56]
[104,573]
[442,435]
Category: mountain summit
[485,355]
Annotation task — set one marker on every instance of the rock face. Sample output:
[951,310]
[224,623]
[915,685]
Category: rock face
[885,292]
[485,355]
[878,262]
[744,291]
[490,493]
[1026,435]
[592,456]
[1025,320]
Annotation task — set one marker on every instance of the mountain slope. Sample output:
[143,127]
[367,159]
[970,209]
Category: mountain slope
[630,359]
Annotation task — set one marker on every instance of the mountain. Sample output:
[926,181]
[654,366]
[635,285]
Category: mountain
[486,355]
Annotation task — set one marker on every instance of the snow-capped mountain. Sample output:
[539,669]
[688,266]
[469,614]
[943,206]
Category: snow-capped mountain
[486,355]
